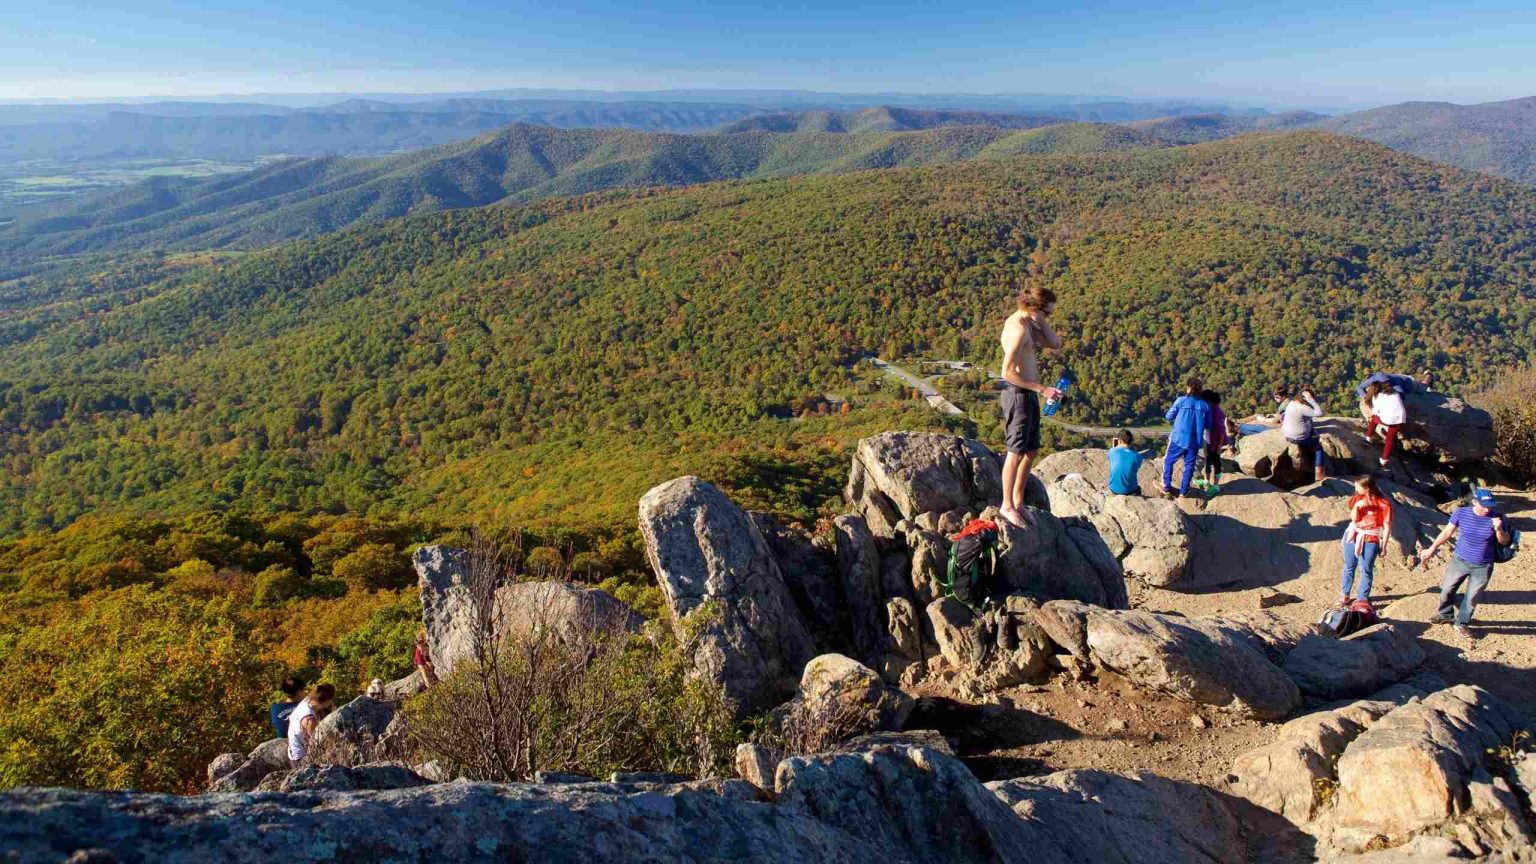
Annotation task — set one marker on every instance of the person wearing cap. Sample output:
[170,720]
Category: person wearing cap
[1478,530]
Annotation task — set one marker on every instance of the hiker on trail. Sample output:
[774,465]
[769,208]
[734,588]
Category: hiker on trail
[1295,417]
[1387,415]
[1124,466]
[292,689]
[1479,530]
[1215,438]
[422,658]
[301,724]
[1026,332]
[1191,419]
[1370,527]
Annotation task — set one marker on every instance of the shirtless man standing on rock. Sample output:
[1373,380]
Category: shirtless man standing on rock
[1026,332]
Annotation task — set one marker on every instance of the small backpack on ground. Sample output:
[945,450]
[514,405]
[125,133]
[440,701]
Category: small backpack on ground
[972,563]
[1339,623]
[1503,553]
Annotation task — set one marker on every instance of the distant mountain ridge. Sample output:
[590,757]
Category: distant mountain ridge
[884,118]
[1495,137]
[305,197]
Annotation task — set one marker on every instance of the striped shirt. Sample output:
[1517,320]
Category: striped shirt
[1474,535]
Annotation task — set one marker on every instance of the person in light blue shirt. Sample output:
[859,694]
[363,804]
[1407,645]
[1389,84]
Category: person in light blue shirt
[1191,419]
[1124,465]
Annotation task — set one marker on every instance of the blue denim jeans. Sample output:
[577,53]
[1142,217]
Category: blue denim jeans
[1174,454]
[1365,562]
[1475,576]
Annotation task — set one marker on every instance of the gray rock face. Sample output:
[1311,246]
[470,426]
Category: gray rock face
[905,655]
[1066,623]
[851,695]
[711,560]
[1093,465]
[1043,559]
[340,778]
[1446,428]
[1357,665]
[1269,457]
[858,565]
[1106,818]
[268,757]
[1204,664]
[1148,538]
[357,732]
[450,619]
[962,641]
[903,475]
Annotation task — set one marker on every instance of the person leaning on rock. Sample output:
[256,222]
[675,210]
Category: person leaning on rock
[1478,529]
[422,659]
[1026,332]
[302,722]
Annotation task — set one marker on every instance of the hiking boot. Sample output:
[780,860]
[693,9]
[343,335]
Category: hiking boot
[1169,493]
[1465,632]
[1383,462]
[1439,619]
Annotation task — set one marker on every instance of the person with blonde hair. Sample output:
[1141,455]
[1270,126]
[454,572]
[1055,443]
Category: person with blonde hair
[1026,332]
[423,660]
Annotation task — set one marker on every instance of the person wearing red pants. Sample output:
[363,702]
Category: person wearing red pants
[1387,414]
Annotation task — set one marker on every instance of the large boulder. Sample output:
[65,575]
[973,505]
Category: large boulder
[1424,763]
[906,652]
[1198,660]
[810,572]
[900,476]
[841,692]
[1043,559]
[1361,663]
[363,730]
[1147,537]
[268,757]
[341,778]
[716,570]
[1268,456]
[1289,775]
[963,641]
[1446,429]
[1092,464]
[450,617]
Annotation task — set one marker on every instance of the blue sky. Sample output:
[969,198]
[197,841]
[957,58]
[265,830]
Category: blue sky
[1301,53]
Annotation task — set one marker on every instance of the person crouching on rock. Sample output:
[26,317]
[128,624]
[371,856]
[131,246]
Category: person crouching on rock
[423,661]
[1025,333]
[1191,419]
[1295,418]
[1387,415]
[1370,527]
[1479,530]
[302,722]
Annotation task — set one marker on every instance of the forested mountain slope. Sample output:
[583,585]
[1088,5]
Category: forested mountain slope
[884,119]
[470,359]
[1196,128]
[302,198]
[1497,137]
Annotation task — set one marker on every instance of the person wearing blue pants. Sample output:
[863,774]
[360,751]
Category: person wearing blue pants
[1191,419]
[1370,527]
[1295,418]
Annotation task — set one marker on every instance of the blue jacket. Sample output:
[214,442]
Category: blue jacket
[1191,419]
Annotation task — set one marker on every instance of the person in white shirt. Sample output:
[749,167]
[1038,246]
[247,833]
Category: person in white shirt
[302,722]
[1387,414]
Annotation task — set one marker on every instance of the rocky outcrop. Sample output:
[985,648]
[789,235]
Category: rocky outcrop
[900,476]
[242,774]
[363,730]
[906,652]
[1446,429]
[1195,660]
[716,571]
[1290,775]
[342,778]
[1092,464]
[963,643]
[1362,663]
[810,572]
[1147,537]
[449,616]
[1043,559]
[842,692]
[1269,457]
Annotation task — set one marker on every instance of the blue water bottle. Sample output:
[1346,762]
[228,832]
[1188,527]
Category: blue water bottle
[1053,404]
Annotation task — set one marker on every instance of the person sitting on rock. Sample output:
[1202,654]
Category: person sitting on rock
[1124,466]
[1026,332]
[422,659]
[1370,527]
[301,724]
[293,689]
[1215,438]
[1478,530]
[1387,415]
[1295,418]
[1191,419]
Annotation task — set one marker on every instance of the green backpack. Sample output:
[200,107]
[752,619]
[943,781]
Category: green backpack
[972,563]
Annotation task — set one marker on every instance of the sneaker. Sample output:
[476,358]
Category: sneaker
[1342,602]
[1439,619]
[1383,462]
[1169,493]
[1465,632]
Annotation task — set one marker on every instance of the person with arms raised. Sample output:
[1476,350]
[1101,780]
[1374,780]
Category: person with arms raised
[1479,530]
[1191,419]
[1025,333]
[1295,418]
